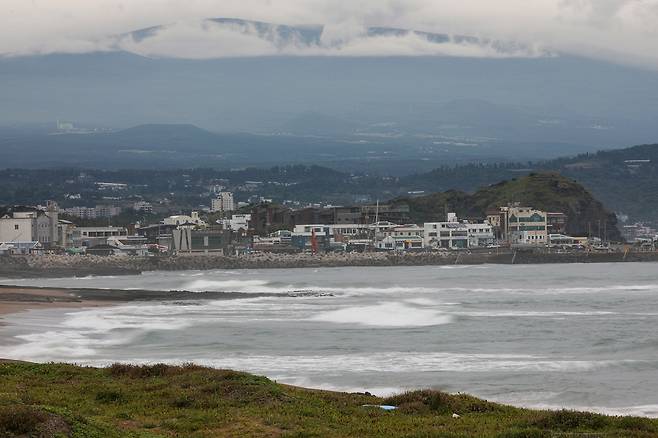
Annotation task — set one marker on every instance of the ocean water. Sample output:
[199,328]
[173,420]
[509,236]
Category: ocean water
[556,336]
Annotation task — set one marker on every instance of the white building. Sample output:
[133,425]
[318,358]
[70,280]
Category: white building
[128,245]
[143,207]
[92,236]
[100,211]
[17,227]
[223,203]
[480,235]
[31,226]
[237,222]
[182,219]
[457,235]
[401,237]
[448,235]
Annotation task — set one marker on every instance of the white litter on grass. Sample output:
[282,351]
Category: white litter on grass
[384,407]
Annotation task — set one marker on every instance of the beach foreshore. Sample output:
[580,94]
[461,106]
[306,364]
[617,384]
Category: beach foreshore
[20,298]
[50,266]
[14,299]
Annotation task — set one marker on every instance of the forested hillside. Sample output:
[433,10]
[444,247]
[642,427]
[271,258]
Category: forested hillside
[545,191]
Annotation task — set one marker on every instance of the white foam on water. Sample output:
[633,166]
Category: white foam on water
[649,411]
[249,286]
[530,314]
[262,286]
[423,302]
[384,315]
[130,317]
[51,345]
[84,333]
[389,362]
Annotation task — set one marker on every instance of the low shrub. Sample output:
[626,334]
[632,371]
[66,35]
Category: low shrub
[572,420]
[146,371]
[19,419]
[109,396]
[440,402]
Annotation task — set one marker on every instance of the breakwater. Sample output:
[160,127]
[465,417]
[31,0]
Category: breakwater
[80,266]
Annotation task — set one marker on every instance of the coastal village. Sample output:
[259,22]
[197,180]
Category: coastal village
[229,229]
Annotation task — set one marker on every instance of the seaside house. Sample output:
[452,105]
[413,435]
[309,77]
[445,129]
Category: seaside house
[402,237]
[521,226]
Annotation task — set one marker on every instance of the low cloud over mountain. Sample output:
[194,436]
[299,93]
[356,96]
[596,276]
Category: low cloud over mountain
[222,37]
[623,31]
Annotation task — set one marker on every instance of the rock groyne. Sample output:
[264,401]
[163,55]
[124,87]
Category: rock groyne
[80,266]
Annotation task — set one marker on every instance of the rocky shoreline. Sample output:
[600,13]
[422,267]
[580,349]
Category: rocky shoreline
[81,266]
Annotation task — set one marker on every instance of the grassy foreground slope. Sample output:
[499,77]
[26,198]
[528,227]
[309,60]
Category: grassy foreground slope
[55,400]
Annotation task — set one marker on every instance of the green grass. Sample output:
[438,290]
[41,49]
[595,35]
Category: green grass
[56,400]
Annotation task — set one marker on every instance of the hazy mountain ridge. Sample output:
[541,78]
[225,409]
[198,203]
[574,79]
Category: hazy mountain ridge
[553,101]
[331,142]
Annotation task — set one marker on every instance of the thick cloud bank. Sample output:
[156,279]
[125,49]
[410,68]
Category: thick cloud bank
[623,31]
[219,38]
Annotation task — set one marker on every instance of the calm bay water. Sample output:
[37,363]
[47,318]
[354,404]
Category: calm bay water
[576,336]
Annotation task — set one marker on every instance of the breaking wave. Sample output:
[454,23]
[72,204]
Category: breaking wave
[385,315]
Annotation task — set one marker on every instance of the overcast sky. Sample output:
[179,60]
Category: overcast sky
[624,31]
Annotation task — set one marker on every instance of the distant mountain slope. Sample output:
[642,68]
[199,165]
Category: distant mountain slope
[564,105]
[625,179]
[311,139]
[546,191]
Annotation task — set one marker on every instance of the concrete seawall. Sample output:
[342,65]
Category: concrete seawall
[80,266]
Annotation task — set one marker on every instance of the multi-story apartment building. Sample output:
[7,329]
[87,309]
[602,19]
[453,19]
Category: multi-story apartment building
[448,235]
[224,203]
[453,234]
[100,211]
